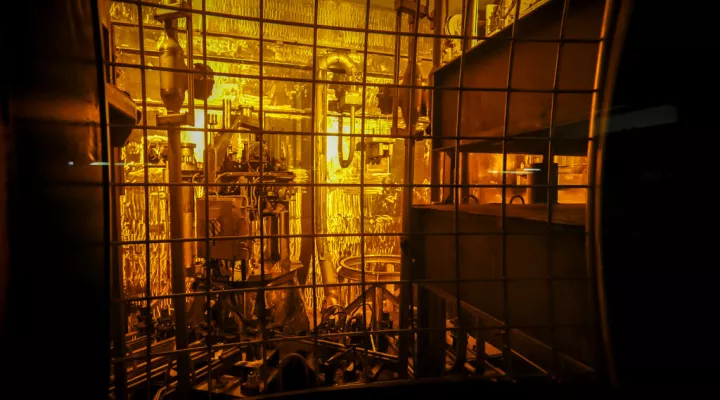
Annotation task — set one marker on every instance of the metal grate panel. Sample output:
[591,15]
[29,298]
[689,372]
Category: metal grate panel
[336,244]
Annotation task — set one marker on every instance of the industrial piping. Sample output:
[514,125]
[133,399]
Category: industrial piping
[349,67]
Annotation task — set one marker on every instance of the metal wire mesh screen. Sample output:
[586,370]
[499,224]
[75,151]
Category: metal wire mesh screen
[324,192]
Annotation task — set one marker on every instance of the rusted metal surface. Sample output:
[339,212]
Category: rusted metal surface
[532,76]
[526,260]
[563,214]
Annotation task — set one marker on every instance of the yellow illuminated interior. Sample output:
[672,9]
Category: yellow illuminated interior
[381,205]
[343,205]
[487,169]
[297,170]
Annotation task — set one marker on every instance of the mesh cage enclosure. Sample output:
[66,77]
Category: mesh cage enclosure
[318,193]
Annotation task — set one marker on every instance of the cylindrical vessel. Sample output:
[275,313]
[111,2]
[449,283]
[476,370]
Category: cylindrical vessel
[172,84]
[177,256]
[187,196]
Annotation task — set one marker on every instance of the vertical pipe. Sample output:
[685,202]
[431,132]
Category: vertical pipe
[260,299]
[174,91]
[378,305]
[471,24]
[273,247]
[146,190]
[206,190]
[283,218]
[406,294]
[191,67]
[319,155]
[295,155]
[464,166]
[352,128]
[362,175]
[405,291]
[439,21]
[188,222]
[177,259]
[313,160]
[396,97]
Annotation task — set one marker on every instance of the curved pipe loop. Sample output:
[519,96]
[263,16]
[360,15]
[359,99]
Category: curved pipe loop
[324,63]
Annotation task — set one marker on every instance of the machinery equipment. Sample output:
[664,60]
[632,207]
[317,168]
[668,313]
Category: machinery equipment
[297,209]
